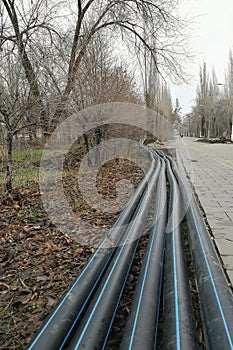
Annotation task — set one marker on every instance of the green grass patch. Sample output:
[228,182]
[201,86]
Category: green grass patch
[26,156]
[25,168]
[21,176]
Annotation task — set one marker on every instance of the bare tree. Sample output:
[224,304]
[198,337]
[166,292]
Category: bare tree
[228,95]
[14,107]
[202,98]
[124,19]
[22,21]
[211,116]
[101,80]
[212,105]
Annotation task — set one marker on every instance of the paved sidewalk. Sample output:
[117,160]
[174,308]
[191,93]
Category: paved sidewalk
[210,169]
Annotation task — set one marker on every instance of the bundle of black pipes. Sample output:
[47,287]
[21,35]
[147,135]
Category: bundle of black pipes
[84,317]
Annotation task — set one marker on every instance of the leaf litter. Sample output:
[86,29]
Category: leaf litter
[38,262]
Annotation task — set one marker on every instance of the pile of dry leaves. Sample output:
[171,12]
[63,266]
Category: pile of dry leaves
[38,262]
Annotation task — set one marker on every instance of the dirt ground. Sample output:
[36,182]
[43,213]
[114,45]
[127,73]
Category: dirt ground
[38,262]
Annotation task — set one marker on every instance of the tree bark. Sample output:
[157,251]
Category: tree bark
[9,162]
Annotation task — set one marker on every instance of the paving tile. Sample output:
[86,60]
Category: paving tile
[230,214]
[228,262]
[223,232]
[214,224]
[225,246]
[218,216]
[230,275]
[211,204]
[212,174]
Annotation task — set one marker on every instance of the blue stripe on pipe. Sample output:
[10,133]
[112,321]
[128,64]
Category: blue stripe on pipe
[107,280]
[89,295]
[175,274]
[160,292]
[121,295]
[144,279]
[81,274]
[212,281]
[73,325]
[80,312]
[121,292]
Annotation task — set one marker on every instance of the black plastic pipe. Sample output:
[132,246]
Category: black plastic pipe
[214,292]
[142,322]
[59,324]
[95,326]
[178,326]
[99,287]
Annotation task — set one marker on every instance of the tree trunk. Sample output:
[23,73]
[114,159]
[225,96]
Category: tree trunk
[86,143]
[203,127]
[97,140]
[9,162]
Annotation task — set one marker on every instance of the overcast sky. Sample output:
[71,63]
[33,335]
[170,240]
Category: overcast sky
[212,38]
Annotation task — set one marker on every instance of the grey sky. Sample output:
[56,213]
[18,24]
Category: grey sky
[212,38]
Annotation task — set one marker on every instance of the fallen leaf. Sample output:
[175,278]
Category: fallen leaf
[51,302]
[41,278]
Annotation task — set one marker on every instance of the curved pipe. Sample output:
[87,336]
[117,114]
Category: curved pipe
[178,329]
[60,323]
[94,329]
[142,322]
[104,277]
[215,295]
